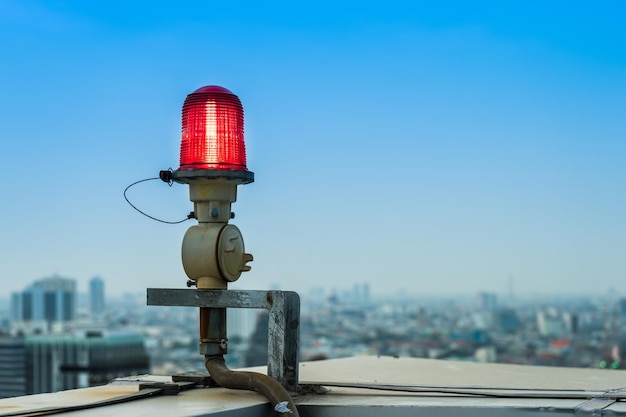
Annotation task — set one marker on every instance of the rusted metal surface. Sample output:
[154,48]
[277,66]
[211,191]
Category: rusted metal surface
[283,327]
[213,340]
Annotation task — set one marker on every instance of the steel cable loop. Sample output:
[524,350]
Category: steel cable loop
[145,214]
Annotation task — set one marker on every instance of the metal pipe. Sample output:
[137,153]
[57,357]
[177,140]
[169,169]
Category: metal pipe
[213,340]
[251,381]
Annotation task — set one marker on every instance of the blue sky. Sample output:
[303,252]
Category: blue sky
[425,148]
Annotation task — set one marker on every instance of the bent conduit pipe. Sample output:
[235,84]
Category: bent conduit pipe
[251,381]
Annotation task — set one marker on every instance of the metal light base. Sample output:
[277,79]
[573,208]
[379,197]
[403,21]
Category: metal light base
[284,321]
[192,175]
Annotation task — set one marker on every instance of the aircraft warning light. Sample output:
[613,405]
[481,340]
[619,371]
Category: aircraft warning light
[212,134]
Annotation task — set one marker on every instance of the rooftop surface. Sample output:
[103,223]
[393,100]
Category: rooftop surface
[365,386]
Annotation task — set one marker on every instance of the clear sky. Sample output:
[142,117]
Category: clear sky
[427,147]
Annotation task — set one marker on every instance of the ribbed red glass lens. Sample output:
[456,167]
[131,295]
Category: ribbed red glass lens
[212,131]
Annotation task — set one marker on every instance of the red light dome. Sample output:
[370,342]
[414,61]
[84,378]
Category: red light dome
[212,136]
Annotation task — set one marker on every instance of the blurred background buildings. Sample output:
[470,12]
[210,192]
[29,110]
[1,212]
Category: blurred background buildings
[55,337]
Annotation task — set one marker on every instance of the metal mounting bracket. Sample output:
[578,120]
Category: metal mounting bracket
[283,328]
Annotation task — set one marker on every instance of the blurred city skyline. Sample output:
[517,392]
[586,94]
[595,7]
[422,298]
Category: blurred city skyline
[425,148]
[506,295]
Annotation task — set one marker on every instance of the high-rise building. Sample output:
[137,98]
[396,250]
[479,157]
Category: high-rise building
[49,363]
[49,300]
[33,303]
[17,307]
[487,301]
[96,296]
[13,373]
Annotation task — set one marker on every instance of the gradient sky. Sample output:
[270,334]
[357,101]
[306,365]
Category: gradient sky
[425,147]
